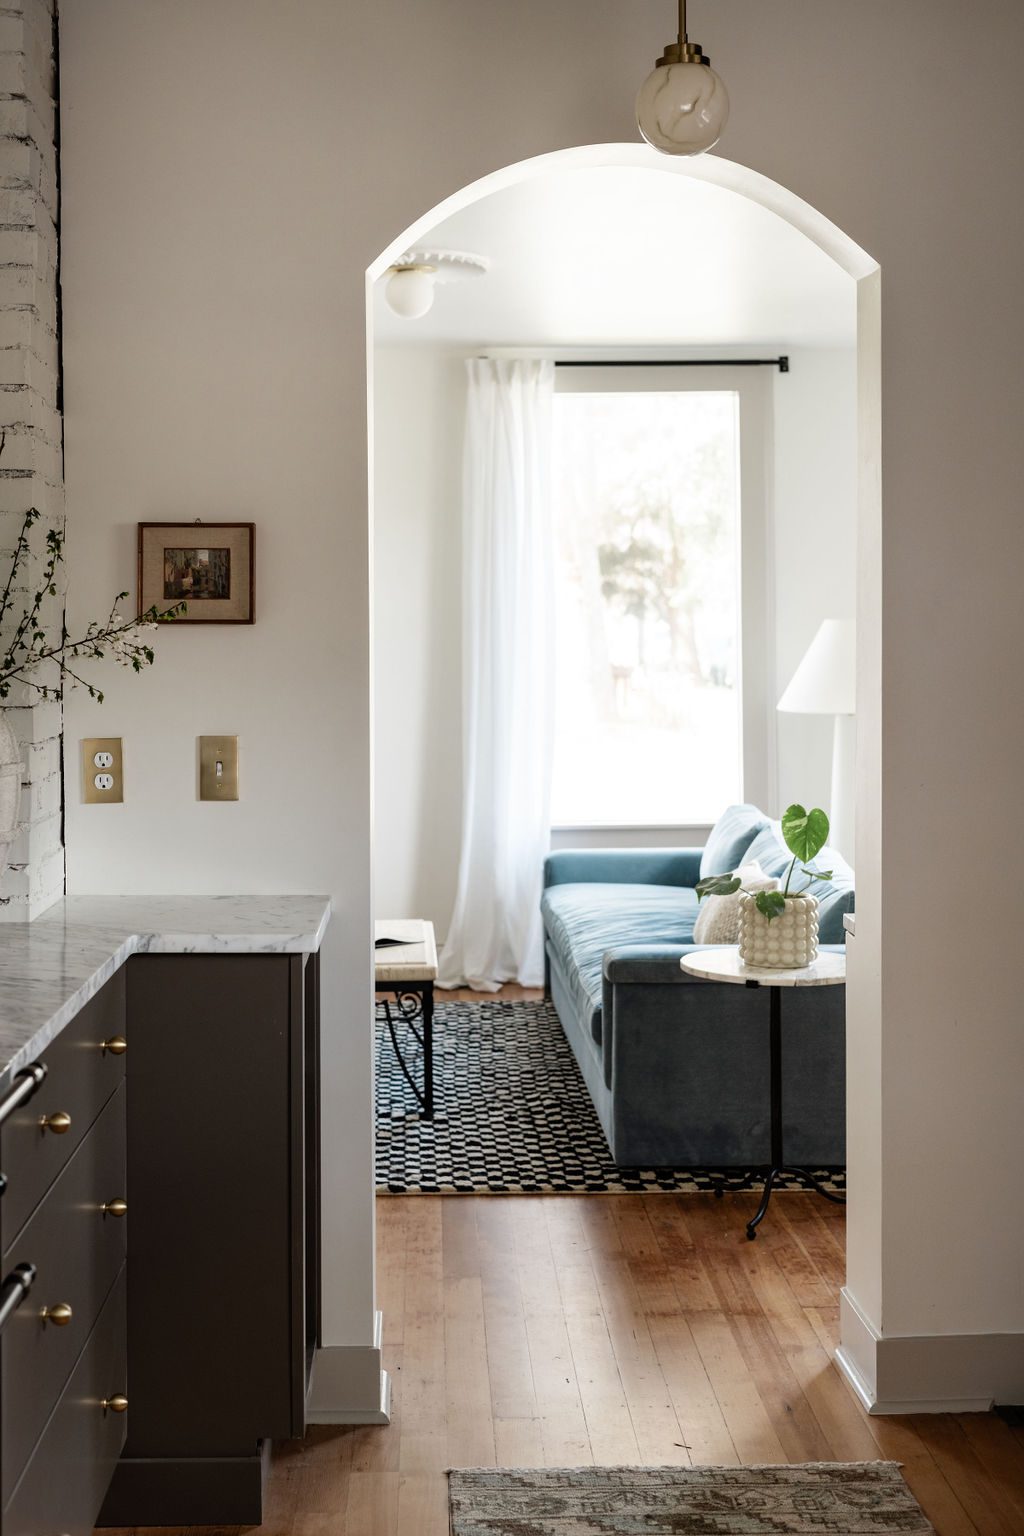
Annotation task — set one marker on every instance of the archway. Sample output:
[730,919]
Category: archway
[862,994]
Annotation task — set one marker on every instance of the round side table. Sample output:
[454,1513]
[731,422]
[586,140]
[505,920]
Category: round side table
[827,970]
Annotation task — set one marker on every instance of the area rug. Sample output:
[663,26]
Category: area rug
[512,1117]
[819,1499]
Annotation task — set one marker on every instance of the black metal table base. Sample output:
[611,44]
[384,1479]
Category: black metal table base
[413,1000]
[779,1166]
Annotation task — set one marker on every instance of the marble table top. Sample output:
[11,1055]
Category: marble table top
[51,967]
[726,965]
[414,959]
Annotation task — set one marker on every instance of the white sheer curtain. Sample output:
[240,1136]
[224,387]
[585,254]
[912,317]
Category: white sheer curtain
[508,676]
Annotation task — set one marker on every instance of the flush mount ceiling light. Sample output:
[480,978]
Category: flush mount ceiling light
[682,106]
[412,278]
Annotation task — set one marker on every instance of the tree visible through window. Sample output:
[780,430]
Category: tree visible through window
[648,544]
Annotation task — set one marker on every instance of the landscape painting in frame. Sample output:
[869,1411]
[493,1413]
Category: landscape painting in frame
[206,566]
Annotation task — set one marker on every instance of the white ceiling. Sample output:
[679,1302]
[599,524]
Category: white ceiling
[620,255]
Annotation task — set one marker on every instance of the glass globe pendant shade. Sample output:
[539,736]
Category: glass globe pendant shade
[682,108]
[410,291]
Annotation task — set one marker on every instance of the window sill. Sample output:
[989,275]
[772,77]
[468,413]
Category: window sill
[633,826]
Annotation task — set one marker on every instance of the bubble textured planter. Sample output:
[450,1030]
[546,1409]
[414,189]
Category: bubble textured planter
[787,942]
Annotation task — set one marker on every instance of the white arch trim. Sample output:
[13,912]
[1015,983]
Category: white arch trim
[728,174]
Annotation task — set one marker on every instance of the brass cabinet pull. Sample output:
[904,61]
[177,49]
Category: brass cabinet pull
[116,1404]
[59,1315]
[115,1046]
[115,1208]
[58,1123]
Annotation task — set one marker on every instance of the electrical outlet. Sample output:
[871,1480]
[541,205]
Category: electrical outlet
[102,770]
[218,767]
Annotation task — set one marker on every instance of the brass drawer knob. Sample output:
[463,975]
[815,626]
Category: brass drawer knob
[115,1046]
[115,1208]
[58,1123]
[59,1315]
[116,1404]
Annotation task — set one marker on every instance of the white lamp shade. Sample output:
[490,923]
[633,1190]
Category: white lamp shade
[825,682]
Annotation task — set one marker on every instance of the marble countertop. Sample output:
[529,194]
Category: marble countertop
[51,967]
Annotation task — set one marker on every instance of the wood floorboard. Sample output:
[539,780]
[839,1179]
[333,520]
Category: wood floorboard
[618,1329]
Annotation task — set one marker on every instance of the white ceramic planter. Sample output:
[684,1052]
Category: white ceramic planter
[784,943]
[10,788]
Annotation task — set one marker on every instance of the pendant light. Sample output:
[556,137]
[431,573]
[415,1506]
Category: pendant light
[682,107]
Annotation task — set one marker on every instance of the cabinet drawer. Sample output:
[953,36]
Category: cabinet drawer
[77,1250]
[65,1482]
[80,1077]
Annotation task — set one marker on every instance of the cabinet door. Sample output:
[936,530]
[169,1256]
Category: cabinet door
[215,1331]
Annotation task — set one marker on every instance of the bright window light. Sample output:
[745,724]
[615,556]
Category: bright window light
[647,518]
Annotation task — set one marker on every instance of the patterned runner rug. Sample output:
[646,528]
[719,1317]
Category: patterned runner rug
[819,1499]
[513,1115]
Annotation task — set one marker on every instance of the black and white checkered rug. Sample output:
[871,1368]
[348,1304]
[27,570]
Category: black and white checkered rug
[512,1115]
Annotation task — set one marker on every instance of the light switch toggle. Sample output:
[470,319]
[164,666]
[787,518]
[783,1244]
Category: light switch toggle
[218,767]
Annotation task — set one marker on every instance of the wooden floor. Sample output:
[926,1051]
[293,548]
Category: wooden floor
[570,1330]
[565,1330]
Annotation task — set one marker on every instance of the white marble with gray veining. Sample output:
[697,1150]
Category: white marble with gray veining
[51,967]
[724,964]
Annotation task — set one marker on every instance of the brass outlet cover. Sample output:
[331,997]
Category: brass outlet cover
[218,767]
[100,746]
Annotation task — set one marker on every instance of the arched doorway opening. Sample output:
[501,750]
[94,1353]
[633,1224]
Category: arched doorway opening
[863,272]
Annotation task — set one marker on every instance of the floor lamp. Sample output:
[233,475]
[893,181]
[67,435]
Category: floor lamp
[825,683]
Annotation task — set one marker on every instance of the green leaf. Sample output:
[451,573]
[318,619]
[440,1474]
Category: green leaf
[770,903]
[805,832]
[717,885]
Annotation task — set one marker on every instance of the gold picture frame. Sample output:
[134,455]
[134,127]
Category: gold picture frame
[207,566]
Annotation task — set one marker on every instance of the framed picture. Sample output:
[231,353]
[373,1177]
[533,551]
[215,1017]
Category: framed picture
[208,566]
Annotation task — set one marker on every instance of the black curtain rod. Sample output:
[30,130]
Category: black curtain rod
[781,363]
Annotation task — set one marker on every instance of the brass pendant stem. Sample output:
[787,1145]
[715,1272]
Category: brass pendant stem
[682,23]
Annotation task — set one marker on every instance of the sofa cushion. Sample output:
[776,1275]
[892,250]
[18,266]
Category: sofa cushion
[583,921]
[730,838]
[834,897]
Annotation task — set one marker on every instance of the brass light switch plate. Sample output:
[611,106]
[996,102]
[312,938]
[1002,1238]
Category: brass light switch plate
[102,770]
[218,767]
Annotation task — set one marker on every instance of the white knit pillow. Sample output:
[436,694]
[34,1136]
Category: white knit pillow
[718,921]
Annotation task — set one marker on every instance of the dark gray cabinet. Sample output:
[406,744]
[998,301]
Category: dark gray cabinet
[191,1084]
[63,1229]
[224,1225]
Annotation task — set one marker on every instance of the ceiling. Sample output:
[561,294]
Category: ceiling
[624,255]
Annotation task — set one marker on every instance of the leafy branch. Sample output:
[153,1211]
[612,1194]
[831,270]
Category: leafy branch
[36,641]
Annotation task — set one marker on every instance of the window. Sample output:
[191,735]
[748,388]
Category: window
[650,596]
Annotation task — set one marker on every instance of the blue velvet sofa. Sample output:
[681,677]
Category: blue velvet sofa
[678,1067]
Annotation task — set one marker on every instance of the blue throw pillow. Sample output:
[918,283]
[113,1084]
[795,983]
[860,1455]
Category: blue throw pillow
[730,839]
[769,850]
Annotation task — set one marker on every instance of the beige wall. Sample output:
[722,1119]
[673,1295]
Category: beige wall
[230,170]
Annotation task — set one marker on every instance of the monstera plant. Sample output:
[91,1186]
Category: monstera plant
[805,834]
[793,943]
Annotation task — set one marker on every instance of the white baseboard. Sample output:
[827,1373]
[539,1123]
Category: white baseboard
[932,1373]
[349,1384]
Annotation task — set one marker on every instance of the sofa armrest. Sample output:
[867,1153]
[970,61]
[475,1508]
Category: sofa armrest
[623,866]
[650,964]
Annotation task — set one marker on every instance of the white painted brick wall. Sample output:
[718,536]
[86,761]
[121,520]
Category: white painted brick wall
[31,468]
